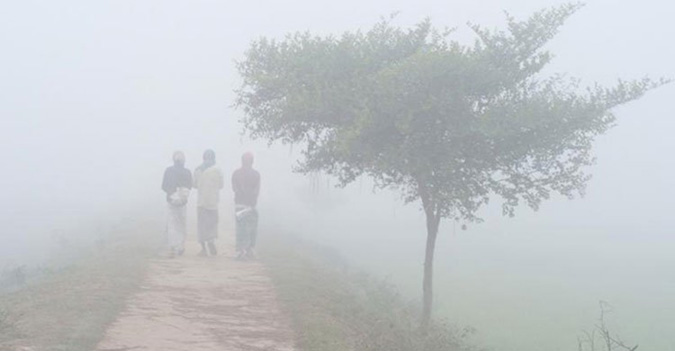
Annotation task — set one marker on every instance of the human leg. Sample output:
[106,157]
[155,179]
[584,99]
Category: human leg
[253,230]
[212,248]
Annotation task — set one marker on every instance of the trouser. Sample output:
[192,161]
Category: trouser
[207,224]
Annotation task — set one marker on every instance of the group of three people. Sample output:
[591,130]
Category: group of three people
[209,180]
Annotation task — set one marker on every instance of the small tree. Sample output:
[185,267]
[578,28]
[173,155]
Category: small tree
[601,338]
[447,124]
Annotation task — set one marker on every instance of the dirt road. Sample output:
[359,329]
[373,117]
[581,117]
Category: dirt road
[196,303]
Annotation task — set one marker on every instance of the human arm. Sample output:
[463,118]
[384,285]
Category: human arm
[195,178]
[190,182]
[221,179]
[235,182]
[256,187]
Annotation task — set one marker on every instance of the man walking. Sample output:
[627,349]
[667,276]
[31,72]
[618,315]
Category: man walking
[176,183]
[208,182]
[246,186]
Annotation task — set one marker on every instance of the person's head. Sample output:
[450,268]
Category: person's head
[247,159]
[179,158]
[209,156]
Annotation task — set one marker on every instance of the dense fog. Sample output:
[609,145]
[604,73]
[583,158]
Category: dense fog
[96,95]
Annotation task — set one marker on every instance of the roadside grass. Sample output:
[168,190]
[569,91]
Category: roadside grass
[6,324]
[70,309]
[333,307]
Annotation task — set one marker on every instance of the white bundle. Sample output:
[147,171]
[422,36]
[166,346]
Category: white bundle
[242,211]
[179,197]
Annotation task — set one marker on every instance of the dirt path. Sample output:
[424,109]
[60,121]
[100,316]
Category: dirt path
[201,304]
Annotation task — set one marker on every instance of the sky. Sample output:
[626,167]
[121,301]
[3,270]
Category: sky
[96,95]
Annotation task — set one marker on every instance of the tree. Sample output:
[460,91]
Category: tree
[445,124]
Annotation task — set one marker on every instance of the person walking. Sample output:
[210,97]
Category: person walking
[208,182]
[176,183]
[246,187]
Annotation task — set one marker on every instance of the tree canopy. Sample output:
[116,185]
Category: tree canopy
[450,124]
[423,114]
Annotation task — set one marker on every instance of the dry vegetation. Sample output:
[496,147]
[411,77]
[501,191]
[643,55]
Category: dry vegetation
[70,309]
[601,338]
[335,308]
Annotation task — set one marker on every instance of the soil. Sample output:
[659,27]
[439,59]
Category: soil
[202,304]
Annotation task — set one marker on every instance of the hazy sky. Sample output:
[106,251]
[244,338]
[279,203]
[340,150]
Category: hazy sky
[95,96]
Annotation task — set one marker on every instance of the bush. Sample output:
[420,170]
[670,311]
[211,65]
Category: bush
[334,307]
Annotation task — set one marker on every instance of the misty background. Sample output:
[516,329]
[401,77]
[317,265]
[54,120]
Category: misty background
[95,97]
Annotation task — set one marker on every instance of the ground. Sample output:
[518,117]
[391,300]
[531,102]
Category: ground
[201,304]
[124,295]
[70,306]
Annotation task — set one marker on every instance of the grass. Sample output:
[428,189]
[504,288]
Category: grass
[333,307]
[71,309]
[6,323]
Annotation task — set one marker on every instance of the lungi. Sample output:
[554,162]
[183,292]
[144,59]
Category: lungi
[207,224]
[176,226]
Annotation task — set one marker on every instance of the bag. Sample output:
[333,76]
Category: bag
[242,211]
[179,197]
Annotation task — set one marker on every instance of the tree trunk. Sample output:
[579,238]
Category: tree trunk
[433,221]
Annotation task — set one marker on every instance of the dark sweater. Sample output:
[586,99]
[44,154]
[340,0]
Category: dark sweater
[246,186]
[176,176]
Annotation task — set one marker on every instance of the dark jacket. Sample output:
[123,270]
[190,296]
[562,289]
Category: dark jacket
[246,186]
[176,176]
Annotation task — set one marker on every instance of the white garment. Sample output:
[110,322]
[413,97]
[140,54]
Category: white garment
[176,227]
[208,184]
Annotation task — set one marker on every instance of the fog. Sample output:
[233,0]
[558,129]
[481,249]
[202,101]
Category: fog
[96,95]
